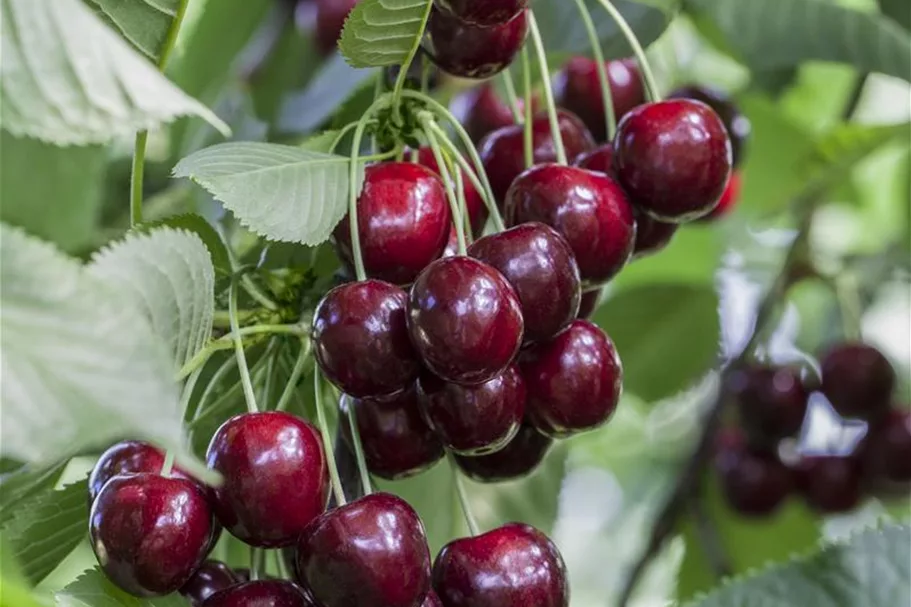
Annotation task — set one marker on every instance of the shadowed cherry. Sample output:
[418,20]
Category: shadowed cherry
[474,204]
[599,160]
[754,482]
[737,125]
[371,552]
[512,566]
[128,457]
[432,600]
[465,320]
[473,51]
[772,403]
[830,484]
[857,379]
[589,303]
[211,577]
[888,447]
[149,532]
[481,111]
[578,89]
[275,477]
[520,457]
[652,235]
[262,593]
[728,200]
[482,12]
[330,19]
[403,218]
[360,339]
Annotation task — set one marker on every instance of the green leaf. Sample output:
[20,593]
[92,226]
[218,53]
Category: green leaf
[202,228]
[667,336]
[898,10]
[145,23]
[25,484]
[68,79]
[321,142]
[842,148]
[281,192]
[782,33]
[48,530]
[167,274]
[870,569]
[92,589]
[378,33]
[15,589]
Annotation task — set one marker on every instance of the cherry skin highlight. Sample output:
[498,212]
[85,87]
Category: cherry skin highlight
[857,379]
[262,593]
[211,577]
[473,51]
[482,12]
[128,457]
[578,89]
[275,477]
[474,204]
[519,458]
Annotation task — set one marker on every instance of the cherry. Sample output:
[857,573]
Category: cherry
[673,158]
[772,402]
[728,200]
[512,566]
[589,303]
[578,89]
[474,204]
[520,457]
[502,151]
[481,111]
[403,218]
[262,593]
[432,600]
[857,379]
[128,457]
[465,320]
[330,19]
[397,441]
[588,209]
[830,484]
[474,51]
[482,12]
[473,420]
[574,381]
[360,337]
[652,235]
[275,477]
[539,264]
[754,482]
[736,124]
[211,577]
[371,552]
[600,160]
[888,449]
[149,532]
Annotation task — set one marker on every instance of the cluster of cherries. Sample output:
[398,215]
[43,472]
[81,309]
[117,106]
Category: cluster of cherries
[771,404]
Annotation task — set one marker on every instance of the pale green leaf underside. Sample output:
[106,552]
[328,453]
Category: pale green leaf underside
[382,32]
[281,192]
[783,33]
[92,589]
[870,569]
[145,23]
[168,274]
[24,484]
[68,79]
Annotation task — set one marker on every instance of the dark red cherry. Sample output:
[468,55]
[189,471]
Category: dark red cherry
[754,482]
[211,577]
[360,338]
[673,158]
[888,447]
[482,12]
[830,484]
[588,209]
[262,593]
[330,19]
[128,457]
[502,151]
[574,381]
[772,402]
[275,477]
[540,265]
[474,204]
[599,160]
[465,320]
[432,600]
[149,532]
[737,125]
[473,51]
[403,217]
[473,420]
[578,89]
[371,552]
[512,566]
[481,111]
[397,441]
[728,201]
[652,235]
[520,457]
[857,379]
[589,303]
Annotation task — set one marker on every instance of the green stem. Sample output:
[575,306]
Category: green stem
[257,294]
[299,365]
[403,72]
[359,451]
[271,368]
[213,384]
[463,497]
[188,388]
[257,561]
[548,89]
[341,135]
[426,66]
[651,86]
[227,341]
[610,118]
[239,350]
[511,97]
[171,39]
[447,183]
[280,565]
[463,206]
[334,478]
[168,464]
[528,128]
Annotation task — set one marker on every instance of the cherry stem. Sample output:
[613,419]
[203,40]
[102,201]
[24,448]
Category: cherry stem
[610,118]
[334,478]
[217,377]
[447,183]
[425,75]
[269,375]
[341,134]
[470,520]
[359,451]
[548,89]
[648,77]
[280,565]
[188,388]
[296,372]
[511,97]
[227,341]
[257,563]
[249,396]
[463,206]
[168,464]
[528,143]
[403,72]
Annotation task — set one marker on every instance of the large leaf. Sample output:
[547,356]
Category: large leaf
[872,568]
[209,236]
[66,78]
[15,588]
[781,33]
[24,484]
[278,191]
[167,274]
[145,23]
[378,33]
[48,530]
[93,589]
[899,10]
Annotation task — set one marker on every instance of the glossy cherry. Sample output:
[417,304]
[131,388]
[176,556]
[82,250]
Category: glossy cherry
[149,532]
[673,158]
[473,51]
[482,111]
[754,482]
[888,452]
[520,457]
[403,217]
[275,477]
[128,457]
[771,401]
[574,381]
[857,379]
[502,151]
[262,593]
[578,89]
[540,265]
[330,19]
[473,420]
[588,209]
[211,577]
[371,552]
[482,12]
[830,484]
[589,303]
[397,441]
[737,125]
[600,160]
[465,320]
[728,200]
[512,566]
[652,235]
[474,204]
[360,338]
